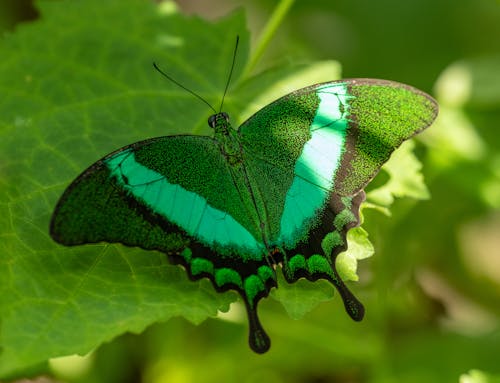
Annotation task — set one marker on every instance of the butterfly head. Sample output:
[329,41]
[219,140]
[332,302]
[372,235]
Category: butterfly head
[219,122]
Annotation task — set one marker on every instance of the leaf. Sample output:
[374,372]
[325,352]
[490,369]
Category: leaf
[473,82]
[81,84]
[359,248]
[405,178]
[292,79]
[464,140]
[301,297]
[478,376]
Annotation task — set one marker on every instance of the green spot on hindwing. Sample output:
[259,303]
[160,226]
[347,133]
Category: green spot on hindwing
[227,276]
[318,264]
[265,273]
[331,241]
[295,264]
[344,218]
[186,254]
[201,265]
[253,287]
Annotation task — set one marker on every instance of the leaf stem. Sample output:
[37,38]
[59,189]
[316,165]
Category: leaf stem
[269,30]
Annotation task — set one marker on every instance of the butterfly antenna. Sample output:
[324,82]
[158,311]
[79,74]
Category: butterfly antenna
[183,87]
[230,72]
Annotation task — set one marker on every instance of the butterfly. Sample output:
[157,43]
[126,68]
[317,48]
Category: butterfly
[281,189]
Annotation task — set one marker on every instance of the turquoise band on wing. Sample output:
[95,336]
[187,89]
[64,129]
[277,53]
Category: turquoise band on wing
[315,168]
[186,209]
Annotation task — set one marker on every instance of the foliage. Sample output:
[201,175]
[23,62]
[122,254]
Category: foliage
[78,83]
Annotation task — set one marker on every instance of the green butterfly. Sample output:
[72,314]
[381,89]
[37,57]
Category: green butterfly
[284,188]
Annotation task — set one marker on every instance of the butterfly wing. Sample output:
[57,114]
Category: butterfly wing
[178,195]
[311,153]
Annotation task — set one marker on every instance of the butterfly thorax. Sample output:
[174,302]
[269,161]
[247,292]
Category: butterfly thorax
[226,136]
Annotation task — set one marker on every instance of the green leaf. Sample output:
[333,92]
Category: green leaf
[467,83]
[478,376]
[291,79]
[405,178]
[301,297]
[80,84]
[464,133]
[359,247]
[472,82]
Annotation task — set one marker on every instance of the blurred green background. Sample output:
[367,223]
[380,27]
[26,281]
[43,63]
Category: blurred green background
[432,289]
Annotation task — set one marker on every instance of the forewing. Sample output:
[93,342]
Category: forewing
[382,114]
[181,180]
[330,137]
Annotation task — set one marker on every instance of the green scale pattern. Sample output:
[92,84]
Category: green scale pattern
[282,189]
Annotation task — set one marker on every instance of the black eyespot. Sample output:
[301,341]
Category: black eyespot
[226,116]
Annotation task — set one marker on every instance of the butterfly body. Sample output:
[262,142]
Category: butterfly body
[284,188]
